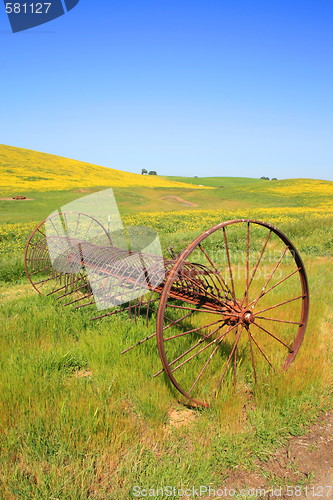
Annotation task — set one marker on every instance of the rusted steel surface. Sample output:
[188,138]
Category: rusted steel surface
[238,313]
[206,321]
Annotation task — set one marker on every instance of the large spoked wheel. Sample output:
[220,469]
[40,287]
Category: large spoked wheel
[242,314]
[51,239]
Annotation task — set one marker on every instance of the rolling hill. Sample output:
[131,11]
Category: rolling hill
[24,170]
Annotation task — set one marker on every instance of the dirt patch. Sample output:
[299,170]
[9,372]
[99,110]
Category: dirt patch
[13,199]
[180,417]
[306,460]
[83,374]
[82,190]
[179,200]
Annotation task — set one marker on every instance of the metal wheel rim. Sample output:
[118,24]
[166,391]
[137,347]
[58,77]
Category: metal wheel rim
[37,229]
[184,255]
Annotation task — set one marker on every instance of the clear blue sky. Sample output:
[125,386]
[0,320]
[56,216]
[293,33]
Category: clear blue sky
[184,87]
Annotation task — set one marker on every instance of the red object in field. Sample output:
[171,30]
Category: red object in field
[232,305]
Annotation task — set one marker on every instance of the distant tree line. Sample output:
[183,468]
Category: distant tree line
[145,172]
[267,178]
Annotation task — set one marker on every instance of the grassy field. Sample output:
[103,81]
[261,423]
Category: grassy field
[78,420]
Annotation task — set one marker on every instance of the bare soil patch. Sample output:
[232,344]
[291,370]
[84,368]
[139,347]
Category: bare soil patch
[83,374]
[82,190]
[179,200]
[179,417]
[306,460]
[13,199]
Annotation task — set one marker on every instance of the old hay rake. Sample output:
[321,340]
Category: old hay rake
[233,303]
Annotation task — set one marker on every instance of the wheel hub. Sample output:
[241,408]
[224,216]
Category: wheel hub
[236,313]
[248,317]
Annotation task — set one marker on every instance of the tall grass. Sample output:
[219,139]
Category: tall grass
[79,420]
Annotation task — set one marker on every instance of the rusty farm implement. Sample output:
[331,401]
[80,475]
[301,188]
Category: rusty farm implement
[233,303]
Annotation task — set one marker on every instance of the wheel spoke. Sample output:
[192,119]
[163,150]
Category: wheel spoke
[260,257]
[189,350]
[235,365]
[280,304]
[229,359]
[260,350]
[246,297]
[56,230]
[229,263]
[196,345]
[193,330]
[274,336]
[64,224]
[205,366]
[252,355]
[88,229]
[262,293]
[270,277]
[202,349]
[279,320]
[77,224]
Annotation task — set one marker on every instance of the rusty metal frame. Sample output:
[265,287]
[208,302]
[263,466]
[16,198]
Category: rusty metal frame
[184,281]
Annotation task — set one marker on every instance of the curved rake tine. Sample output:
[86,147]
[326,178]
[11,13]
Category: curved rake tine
[206,292]
[218,274]
[153,334]
[208,311]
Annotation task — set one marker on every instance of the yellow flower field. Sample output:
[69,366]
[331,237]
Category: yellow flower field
[23,170]
[298,187]
[13,236]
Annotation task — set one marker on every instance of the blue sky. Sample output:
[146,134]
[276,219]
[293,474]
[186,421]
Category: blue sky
[184,87]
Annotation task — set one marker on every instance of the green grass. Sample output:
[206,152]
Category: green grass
[78,420]
[130,200]
[220,182]
[237,194]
